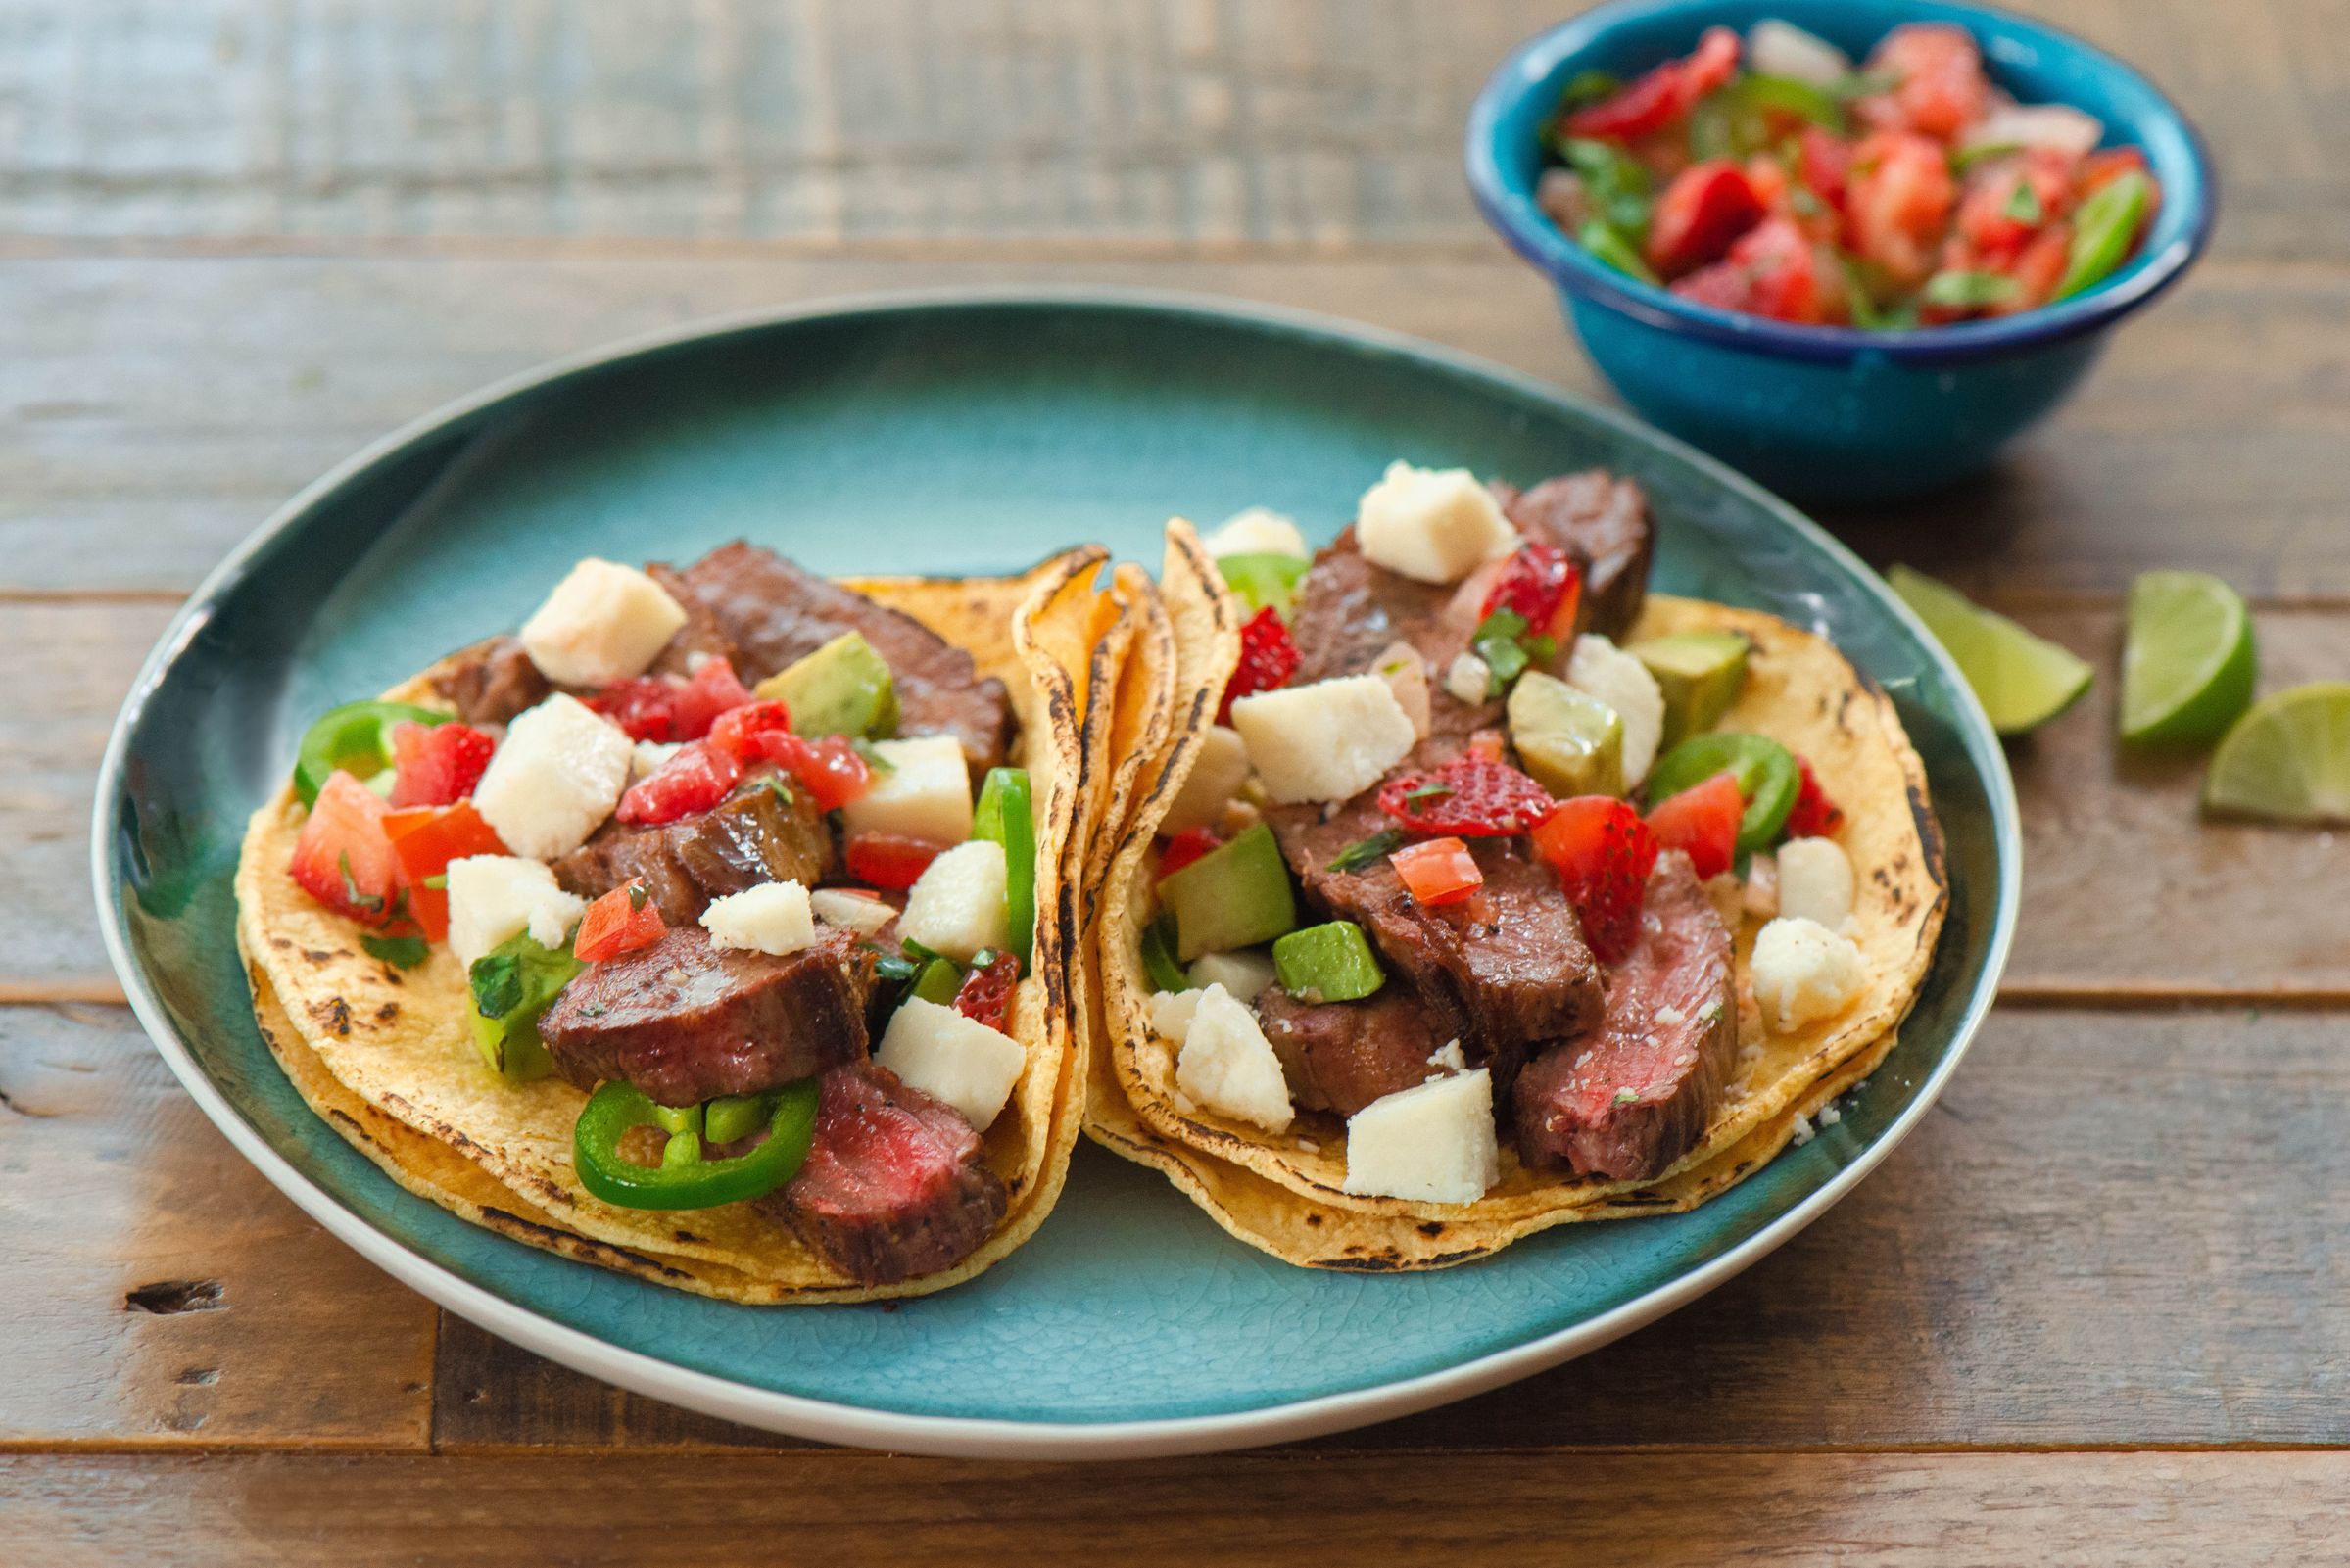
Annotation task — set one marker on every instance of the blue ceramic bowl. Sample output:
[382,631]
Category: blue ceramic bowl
[1831,413]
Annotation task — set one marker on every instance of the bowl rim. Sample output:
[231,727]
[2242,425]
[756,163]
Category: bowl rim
[1567,264]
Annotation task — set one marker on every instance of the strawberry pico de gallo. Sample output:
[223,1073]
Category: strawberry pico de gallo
[1773,175]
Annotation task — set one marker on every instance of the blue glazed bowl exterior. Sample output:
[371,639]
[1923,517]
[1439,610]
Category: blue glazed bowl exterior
[1829,412]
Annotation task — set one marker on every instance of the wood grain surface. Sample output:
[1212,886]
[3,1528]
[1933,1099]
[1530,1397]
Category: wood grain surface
[2092,1313]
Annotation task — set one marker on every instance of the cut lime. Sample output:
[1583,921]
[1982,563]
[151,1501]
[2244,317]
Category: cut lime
[2023,681]
[2187,659]
[2288,759]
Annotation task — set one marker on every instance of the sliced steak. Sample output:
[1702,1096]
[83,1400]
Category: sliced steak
[1341,1056]
[492,681]
[1637,1095]
[1510,959]
[768,613]
[1348,612]
[750,838]
[684,1021]
[894,1185]
[1602,523]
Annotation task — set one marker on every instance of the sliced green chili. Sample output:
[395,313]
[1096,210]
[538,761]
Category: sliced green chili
[356,737]
[684,1180]
[1005,814]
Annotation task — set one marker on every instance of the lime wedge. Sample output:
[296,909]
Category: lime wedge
[2287,760]
[2023,681]
[2187,659]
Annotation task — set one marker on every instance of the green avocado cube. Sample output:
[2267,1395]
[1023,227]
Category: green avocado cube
[1233,896]
[1328,963]
[1571,741]
[843,688]
[1699,673]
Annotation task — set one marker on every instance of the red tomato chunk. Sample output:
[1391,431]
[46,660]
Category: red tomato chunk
[620,922]
[1439,871]
[697,778]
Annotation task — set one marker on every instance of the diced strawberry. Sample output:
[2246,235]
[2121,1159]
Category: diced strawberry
[1439,871]
[1813,815]
[832,770]
[343,858]
[1267,659]
[1773,271]
[1601,853]
[1468,797]
[1989,213]
[1702,822]
[620,922]
[737,731]
[663,708]
[437,764]
[1899,199]
[1941,89]
[1184,848]
[2038,270]
[985,995]
[1541,584]
[1824,159]
[1662,95]
[712,690]
[424,840]
[696,779]
[1700,214]
[891,860]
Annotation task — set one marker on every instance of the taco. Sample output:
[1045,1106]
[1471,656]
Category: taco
[1474,890]
[715,927]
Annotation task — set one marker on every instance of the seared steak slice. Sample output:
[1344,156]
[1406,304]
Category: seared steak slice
[684,1021]
[769,613]
[1349,611]
[1602,523]
[1510,958]
[1637,1094]
[1341,1056]
[492,681]
[894,1185]
[752,836]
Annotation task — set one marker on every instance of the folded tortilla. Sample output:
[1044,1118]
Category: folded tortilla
[386,1057]
[1284,1192]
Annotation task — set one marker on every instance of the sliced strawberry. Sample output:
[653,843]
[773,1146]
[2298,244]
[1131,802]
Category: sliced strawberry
[696,779]
[1700,214]
[343,857]
[832,769]
[1541,584]
[1468,797]
[1702,822]
[985,996]
[1939,88]
[1267,659]
[1184,848]
[712,690]
[620,922]
[737,731]
[1901,198]
[663,708]
[1664,94]
[1601,853]
[1813,815]
[437,764]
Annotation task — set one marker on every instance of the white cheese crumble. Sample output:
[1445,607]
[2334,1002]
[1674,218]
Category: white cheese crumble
[1467,678]
[1433,1143]
[1431,525]
[1803,971]
[771,918]
[1244,974]
[1329,740]
[493,897]
[1256,532]
[604,622]
[859,912]
[1447,1057]
[1227,1065]
[1407,676]
[952,1057]
[924,792]
[554,779]
[1171,1012]
[1815,881]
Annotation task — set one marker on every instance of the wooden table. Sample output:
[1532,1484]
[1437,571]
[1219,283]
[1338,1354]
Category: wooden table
[2095,1309]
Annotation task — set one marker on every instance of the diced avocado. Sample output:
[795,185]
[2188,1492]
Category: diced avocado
[1329,962]
[1700,672]
[1234,896]
[939,982]
[843,688]
[511,1048]
[511,985]
[1569,740]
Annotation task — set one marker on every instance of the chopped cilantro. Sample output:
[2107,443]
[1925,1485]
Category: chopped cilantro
[1502,643]
[1364,851]
[639,895]
[873,757]
[496,982]
[400,952]
[2024,204]
[1627,1096]
[351,895]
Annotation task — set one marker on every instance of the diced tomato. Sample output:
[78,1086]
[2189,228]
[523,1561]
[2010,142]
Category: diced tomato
[343,858]
[1773,271]
[1941,89]
[712,690]
[1700,214]
[1267,659]
[1467,797]
[1771,184]
[1988,213]
[1702,822]
[437,764]
[2038,270]
[620,922]
[1601,853]
[891,860]
[985,995]
[1813,815]
[663,708]
[424,840]
[1824,159]
[737,731]
[830,769]
[696,779]
[1662,95]
[1439,871]
[1541,584]
[1184,848]
[1899,199]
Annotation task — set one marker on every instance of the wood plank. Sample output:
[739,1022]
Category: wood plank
[2171,1277]
[157,1290]
[1314,122]
[237,381]
[1901,1509]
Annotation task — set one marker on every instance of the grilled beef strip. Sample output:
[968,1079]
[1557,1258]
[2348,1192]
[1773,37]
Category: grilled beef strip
[492,681]
[684,1020]
[1637,1094]
[894,1185]
[1601,522]
[754,835]
[767,614]
[1341,1056]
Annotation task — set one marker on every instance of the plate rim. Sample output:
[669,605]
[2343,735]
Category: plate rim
[969,1437]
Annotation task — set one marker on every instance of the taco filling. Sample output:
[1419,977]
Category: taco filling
[731,852]
[1467,892]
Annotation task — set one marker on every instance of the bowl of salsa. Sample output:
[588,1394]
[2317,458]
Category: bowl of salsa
[1853,248]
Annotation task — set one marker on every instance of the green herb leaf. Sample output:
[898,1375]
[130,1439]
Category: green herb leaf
[1364,851]
[873,758]
[1627,1096]
[1864,84]
[639,895]
[783,792]
[1501,641]
[1608,247]
[400,952]
[892,967]
[1967,157]
[437,882]
[1967,291]
[351,895]
[497,983]
[2023,204]
[922,955]
[1589,87]
[1427,791]
[1159,954]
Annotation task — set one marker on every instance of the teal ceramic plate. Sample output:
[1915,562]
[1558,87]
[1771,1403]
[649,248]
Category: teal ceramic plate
[964,433]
